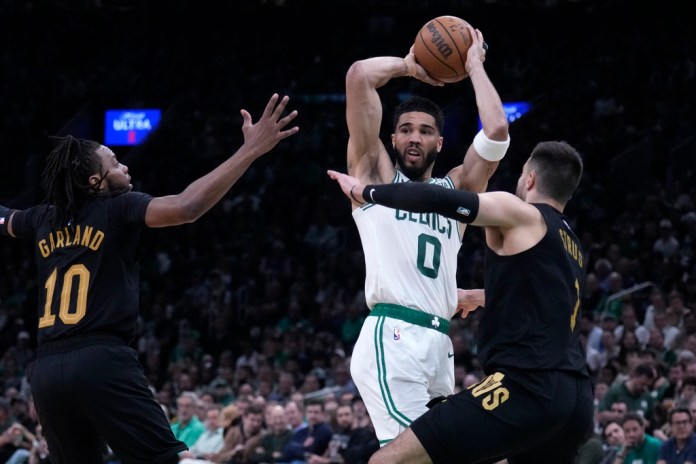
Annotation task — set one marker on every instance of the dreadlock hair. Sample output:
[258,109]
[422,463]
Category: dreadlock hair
[66,176]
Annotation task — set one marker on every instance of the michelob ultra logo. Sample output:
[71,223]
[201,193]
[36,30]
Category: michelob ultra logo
[130,126]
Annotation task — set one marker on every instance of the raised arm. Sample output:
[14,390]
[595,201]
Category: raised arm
[204,193]
[490,144]
[368,159]
[493,209]
[512,225]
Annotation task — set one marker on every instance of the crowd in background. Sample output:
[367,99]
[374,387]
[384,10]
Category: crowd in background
[260,301]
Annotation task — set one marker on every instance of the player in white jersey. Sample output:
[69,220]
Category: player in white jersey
[403,357]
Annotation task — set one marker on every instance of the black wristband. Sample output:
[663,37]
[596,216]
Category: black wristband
[420,197]
[5,214]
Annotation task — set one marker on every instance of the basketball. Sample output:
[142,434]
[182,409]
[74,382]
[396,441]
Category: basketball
[441,46]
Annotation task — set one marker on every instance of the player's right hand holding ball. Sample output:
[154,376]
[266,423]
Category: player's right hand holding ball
[416,71]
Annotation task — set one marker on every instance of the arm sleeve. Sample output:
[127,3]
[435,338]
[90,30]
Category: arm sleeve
[418,197]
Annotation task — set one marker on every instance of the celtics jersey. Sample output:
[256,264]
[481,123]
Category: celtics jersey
[88,270]
[410,258]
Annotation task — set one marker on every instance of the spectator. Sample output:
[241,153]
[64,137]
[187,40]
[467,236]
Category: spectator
[677,311]
[22,352]
[221,389]
[8,445]
[614,442]
[362,417]
[187,427]
[284,389]
[210,441]
[230,416]
[634,391]
[667,245]
[681,447]
[675,376]
[294,412]
[330,410]
[609,348]
[615,301]
[241,440]
[602,269]
[640,447]
[610,322]
[590,329]
[341,379]
[594,297]
[687,391]
[278,433]
[670,332]
[629,323]
[313,439]
[657,303]
[600,389]
[349,444]
[22,439]
[656,347]
[310,384]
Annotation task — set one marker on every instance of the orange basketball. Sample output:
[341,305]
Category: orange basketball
[441,47]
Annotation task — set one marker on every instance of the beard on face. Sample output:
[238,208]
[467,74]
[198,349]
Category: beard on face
[116,188]
[415,172]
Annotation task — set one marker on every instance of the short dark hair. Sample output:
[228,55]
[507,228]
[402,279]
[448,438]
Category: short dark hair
[607,424]
[633,416]
[315,402]
[421,105]
[678,410]
[253,409]
[558,167]
[644,369]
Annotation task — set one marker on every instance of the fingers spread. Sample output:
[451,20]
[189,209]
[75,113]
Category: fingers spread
[270,105]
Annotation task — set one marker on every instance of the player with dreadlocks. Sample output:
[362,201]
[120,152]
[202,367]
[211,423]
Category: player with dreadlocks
[88,385]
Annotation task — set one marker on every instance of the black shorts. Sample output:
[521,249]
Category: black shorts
[91,390]
[538,417]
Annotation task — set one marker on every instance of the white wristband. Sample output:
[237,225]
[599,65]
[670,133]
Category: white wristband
[490,150]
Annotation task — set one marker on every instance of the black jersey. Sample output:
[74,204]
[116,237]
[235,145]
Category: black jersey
[532,318]
[88,270]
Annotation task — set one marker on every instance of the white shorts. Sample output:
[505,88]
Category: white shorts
[399,366]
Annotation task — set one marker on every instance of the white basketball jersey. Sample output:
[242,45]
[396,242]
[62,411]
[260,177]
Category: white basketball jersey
[410,258]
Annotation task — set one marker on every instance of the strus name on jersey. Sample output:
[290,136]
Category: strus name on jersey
[436,222]
[571,246]
[81,235]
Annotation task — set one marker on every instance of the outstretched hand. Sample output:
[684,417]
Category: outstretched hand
[351,186]
[268,130]
[469,300]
